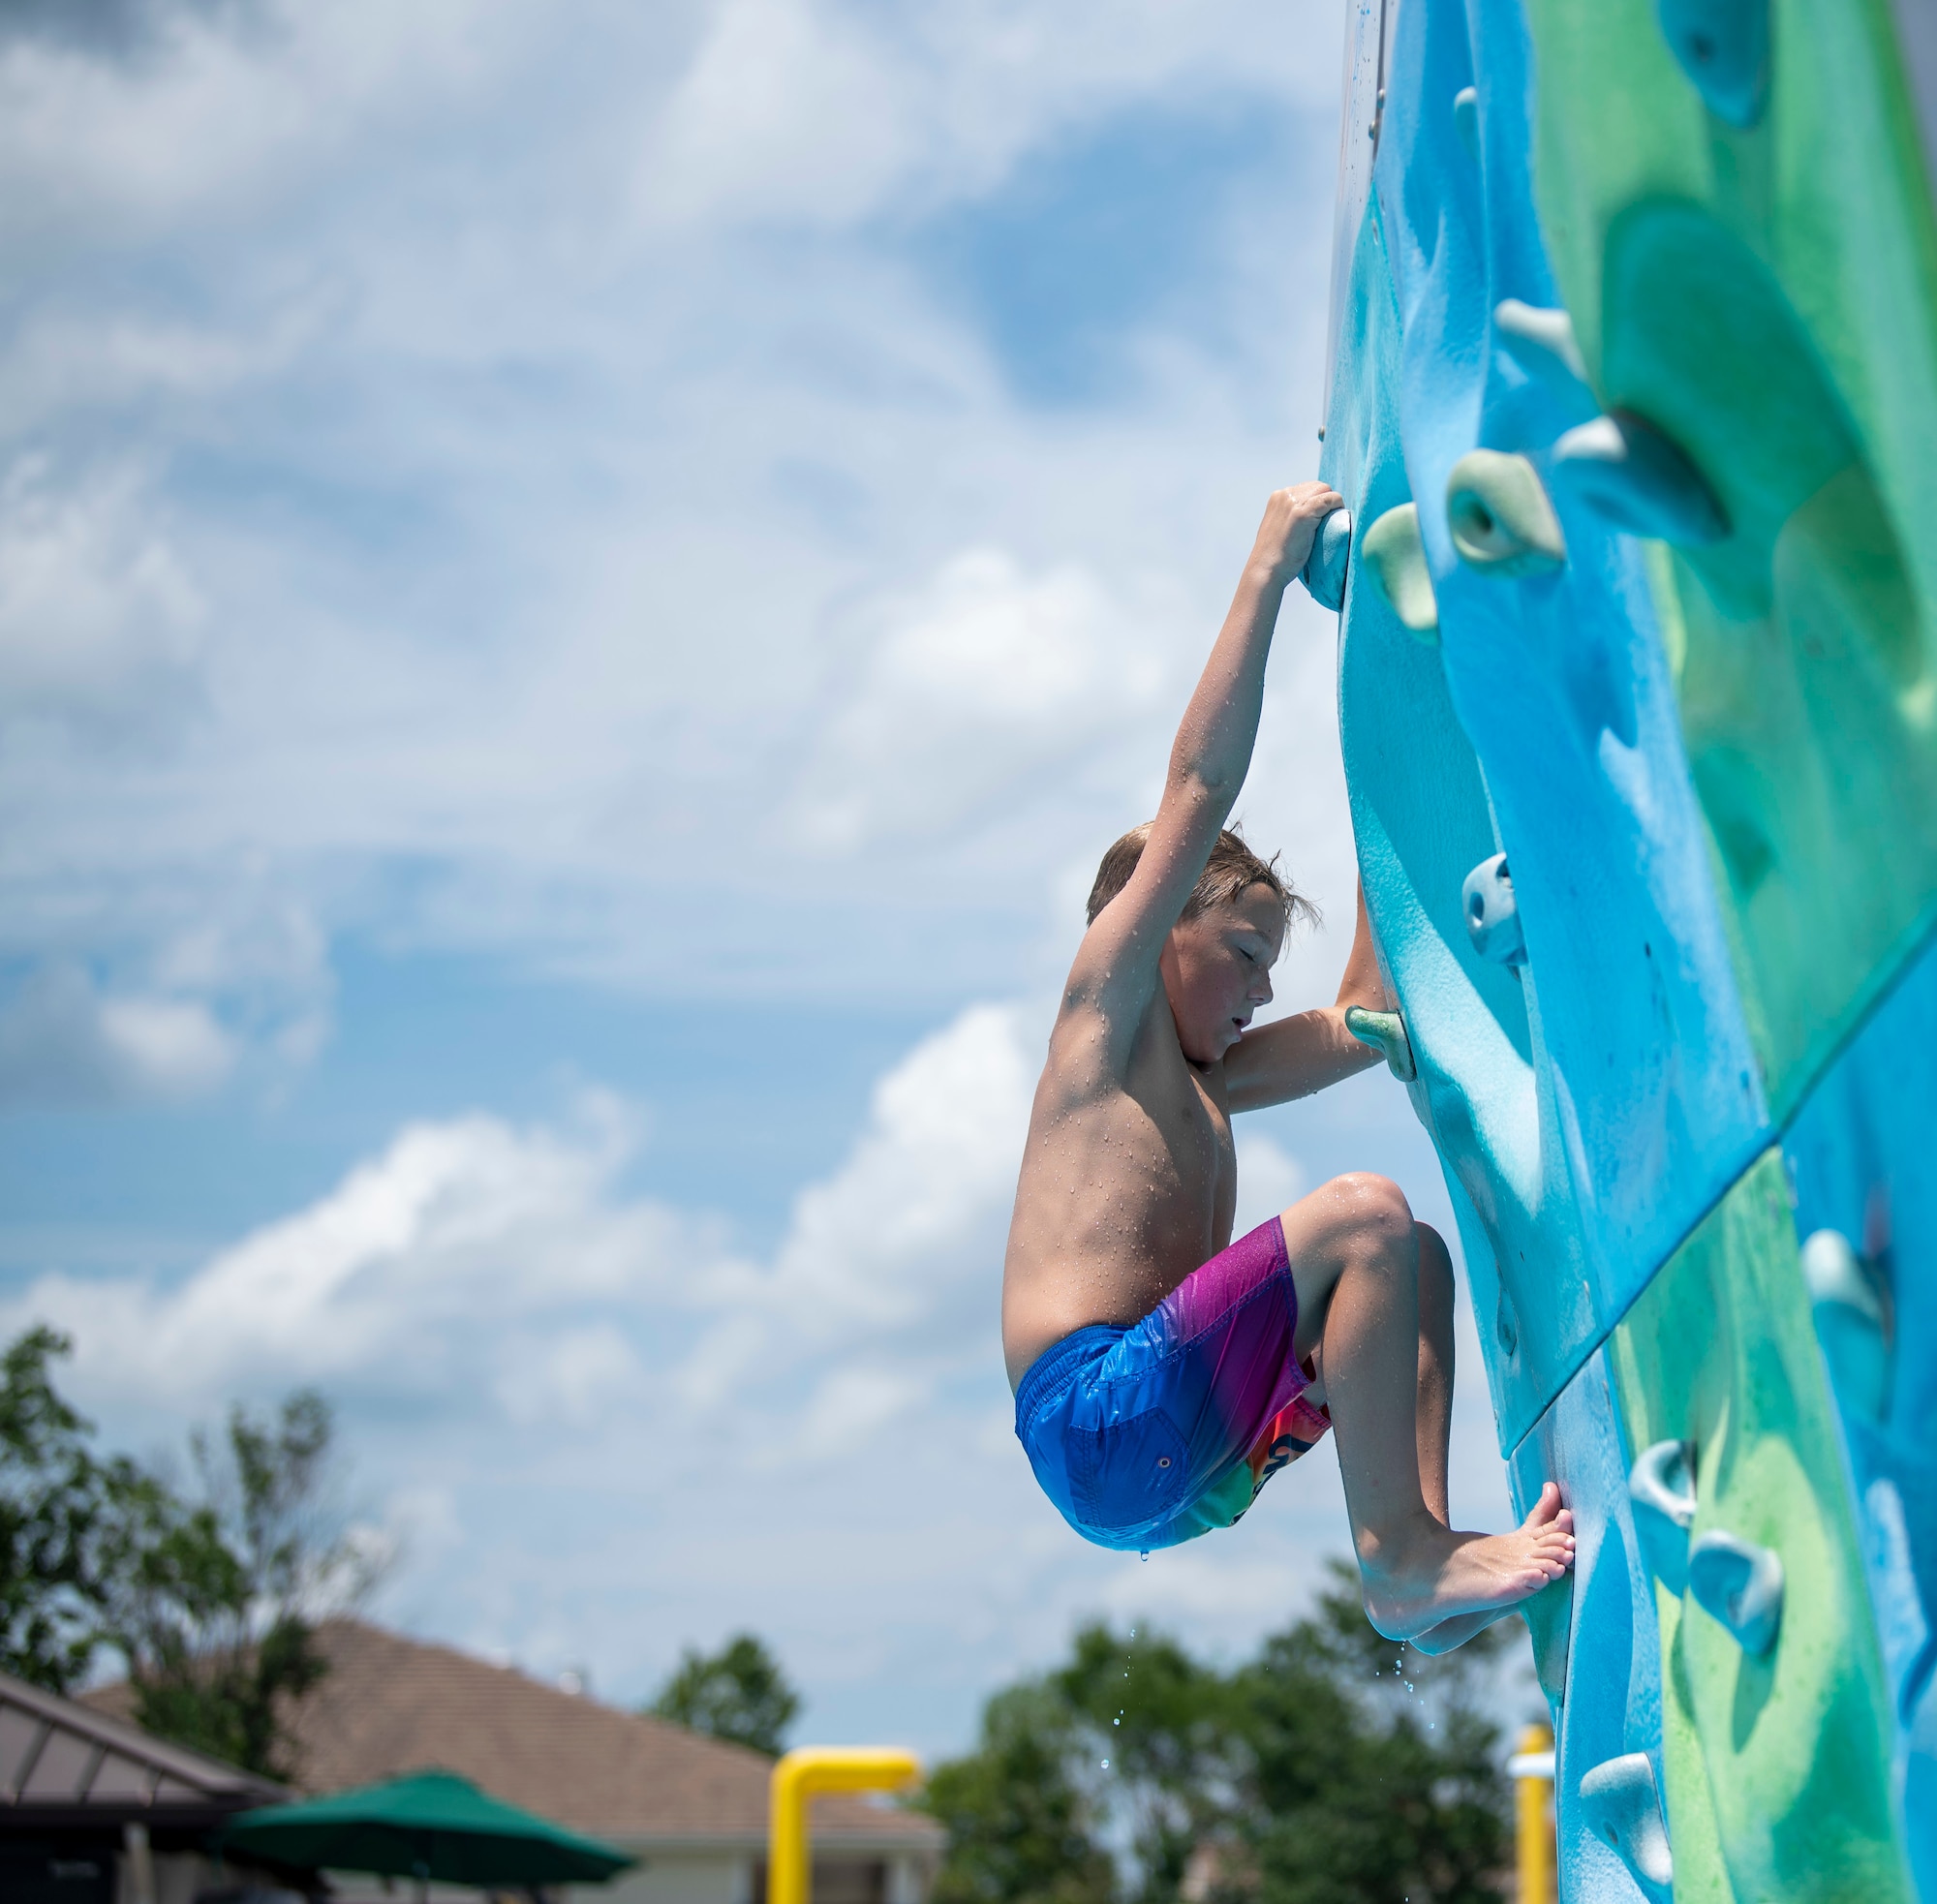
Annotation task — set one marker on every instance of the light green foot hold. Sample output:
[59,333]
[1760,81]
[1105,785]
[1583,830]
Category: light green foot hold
[1395,556]
[1385,1032]
[1501,519]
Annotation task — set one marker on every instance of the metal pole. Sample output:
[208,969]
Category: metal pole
[798,1778]
[1531,1768]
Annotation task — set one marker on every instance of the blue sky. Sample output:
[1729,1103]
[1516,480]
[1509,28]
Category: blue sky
[581,590]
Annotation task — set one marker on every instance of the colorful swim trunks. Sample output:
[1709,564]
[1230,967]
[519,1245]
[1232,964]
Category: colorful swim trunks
[1153,1434]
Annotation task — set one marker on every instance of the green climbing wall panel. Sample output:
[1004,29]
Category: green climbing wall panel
[1767,298]
[1778,1767]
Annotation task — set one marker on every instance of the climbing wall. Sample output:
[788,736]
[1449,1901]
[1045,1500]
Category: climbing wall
[1633,397]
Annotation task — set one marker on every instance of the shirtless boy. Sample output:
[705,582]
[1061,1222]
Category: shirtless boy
[1162,1372]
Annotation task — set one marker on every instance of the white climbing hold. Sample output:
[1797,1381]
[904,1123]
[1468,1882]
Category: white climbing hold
[1385,1032]
[1722,45]
[1492,913]
[1620,1804]
[1661,1489]
[1661,1482]
[1501,519]
[1849,1320]
[1324,570]
[1542,341]
[1637,477]
[1739,1583]
[1395,556]
[1466,119]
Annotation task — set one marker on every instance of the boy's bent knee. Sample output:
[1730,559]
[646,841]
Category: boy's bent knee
[1370,1202]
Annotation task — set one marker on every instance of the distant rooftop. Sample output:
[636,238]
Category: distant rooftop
[63,1763]
[389,1705]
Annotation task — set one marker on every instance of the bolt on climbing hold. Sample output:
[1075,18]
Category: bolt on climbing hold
[1324,570]
[1620,1804]
[1492,915]
[1637,477]
[1661,1487]
[1850,1325]
[1466,119]
[1722,45]
[1385,1032]
[1739,1583]
[1395,554]
[1501,519]
[1542,342]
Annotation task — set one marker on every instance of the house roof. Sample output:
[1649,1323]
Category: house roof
[63,1763]
[389,1705]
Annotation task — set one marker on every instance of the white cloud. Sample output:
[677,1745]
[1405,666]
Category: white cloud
[64,1042]
[100,622]
[983,686]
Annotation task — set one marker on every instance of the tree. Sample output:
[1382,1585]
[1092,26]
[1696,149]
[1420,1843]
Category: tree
[218,1622]
[1335,1767]
[211,1601]
[1020,1826]
[738,1694]
[70,1524]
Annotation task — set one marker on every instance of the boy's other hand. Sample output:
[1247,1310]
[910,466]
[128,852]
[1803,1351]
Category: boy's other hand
[1291,521]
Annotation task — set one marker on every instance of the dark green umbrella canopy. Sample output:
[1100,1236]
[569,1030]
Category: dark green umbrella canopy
[433,1826]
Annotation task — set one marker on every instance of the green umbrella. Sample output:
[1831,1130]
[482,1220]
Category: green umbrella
[430,1826]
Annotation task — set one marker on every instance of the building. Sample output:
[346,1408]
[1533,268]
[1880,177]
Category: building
[95,1811]
[693,1809]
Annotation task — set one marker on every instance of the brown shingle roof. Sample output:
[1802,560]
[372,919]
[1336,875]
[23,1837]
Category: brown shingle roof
[389,1705]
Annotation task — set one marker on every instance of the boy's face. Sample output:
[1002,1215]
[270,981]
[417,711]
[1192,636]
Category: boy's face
[1217,970]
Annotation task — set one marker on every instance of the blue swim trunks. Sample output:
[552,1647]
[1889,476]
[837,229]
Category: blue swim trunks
[1153,1434]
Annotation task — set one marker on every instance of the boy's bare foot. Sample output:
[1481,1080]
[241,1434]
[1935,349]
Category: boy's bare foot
[1447,1574]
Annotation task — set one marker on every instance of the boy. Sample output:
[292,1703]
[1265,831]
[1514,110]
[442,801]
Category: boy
[1162,1373]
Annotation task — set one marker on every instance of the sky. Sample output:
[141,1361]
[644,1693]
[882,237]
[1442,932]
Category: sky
[581,588]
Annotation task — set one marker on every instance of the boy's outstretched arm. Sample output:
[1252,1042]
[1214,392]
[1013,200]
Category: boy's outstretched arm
[1294,1056]
[1116,969]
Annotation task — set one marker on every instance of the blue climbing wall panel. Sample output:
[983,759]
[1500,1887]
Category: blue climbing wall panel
[1632,393]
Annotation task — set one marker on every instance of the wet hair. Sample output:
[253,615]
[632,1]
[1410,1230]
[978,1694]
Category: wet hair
[1231,871]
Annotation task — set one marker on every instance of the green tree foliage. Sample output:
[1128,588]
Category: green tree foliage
[1336,1768]
[738,1694]
[217,1626]
[209,1600]
[71,1525]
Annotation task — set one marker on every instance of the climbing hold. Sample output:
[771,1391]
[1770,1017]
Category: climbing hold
[1661,1486]
[1542,342]
[1501,520]
[1493,916]
[1466,119]
[1324,570]
[1740,1584]
[1621,1805]
[1630,472]
[1849,1323]
[1661,1482]
[1384,1031]
[1723,48]
[1506,1328]
[1395,556]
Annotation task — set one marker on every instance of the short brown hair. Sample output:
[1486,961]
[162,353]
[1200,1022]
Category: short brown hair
[1232,869]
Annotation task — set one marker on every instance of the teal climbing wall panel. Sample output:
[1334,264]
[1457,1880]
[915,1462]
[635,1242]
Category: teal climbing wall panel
[1632,393]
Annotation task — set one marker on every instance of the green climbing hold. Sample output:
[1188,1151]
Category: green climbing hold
[1395,556]
[1501,519]
[1385,1032]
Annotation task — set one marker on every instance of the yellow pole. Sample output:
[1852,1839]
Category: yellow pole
[798,1778]
[1533,1816]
